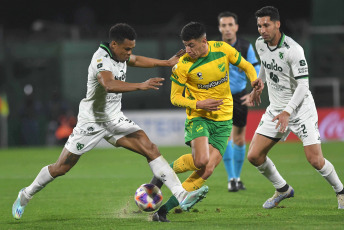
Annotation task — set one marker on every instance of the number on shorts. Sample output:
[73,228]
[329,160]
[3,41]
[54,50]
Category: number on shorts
[303,129]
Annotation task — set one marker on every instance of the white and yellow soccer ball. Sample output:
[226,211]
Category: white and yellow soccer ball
[148,197]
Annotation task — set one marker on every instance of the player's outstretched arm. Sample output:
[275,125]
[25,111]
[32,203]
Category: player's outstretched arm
[146,62]
[111,85]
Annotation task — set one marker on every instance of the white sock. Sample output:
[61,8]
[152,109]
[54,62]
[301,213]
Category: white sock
[269,170]
[42,179]
[162,170]
[329,173]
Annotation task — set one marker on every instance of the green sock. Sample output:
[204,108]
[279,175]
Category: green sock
[170,204]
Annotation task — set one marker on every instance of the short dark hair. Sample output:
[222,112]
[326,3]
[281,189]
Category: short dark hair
[227,14]
[268,11]
[122,31]
[192,30]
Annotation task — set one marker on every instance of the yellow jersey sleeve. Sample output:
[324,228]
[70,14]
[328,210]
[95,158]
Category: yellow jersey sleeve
[179,79]
[179,73]
[178,99]
[236,59]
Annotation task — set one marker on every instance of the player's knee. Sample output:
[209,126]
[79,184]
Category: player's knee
[252,157]
[201,162]
[58,170]
[151,151]
[316,162]
[240,140]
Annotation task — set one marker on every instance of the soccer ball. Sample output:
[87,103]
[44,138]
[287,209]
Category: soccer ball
[148,197]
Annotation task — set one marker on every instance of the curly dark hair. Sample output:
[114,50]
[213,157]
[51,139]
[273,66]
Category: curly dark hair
[122,31]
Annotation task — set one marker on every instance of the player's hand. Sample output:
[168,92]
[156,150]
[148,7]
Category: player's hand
[258,85]
[247,100]
[251,99]
[175,58]
[152,83]
[283,120]
[209,104]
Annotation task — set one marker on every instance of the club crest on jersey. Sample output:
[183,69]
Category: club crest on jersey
[272,66]
[222,67]
[281,55]
[186,60]
[199,75]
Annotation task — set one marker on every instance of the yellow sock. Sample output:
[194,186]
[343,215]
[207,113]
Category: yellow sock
[184,163]
[193,182]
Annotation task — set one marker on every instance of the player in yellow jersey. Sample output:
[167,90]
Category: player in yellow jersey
[202,73]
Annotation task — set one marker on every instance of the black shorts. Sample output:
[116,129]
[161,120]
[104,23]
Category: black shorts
[239,111]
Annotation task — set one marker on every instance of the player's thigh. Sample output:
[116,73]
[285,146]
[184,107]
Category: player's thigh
[121,127]
[200,151]
[139,142]
[123,132]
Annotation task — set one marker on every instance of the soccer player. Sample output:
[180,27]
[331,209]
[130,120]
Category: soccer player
[203,72]
[100,117]
[234,155]
[291,109]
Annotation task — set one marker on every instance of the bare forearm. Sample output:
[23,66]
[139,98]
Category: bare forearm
[146,62]
[117,86]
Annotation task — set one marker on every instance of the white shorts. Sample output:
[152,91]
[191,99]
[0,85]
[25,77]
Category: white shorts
[86,136]
[303,123]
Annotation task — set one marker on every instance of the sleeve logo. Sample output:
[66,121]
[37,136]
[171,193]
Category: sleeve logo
[302,63]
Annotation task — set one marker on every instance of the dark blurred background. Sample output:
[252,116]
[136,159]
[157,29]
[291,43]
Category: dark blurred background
[46,47]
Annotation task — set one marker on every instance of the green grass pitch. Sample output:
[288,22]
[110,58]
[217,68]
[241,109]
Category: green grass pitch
[98,192]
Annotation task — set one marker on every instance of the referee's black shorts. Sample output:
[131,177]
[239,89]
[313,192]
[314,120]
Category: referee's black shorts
[239,111]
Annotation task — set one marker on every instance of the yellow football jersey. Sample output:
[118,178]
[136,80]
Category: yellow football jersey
[207,77]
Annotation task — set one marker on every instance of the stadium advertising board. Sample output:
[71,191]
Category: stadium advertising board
[166,127]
